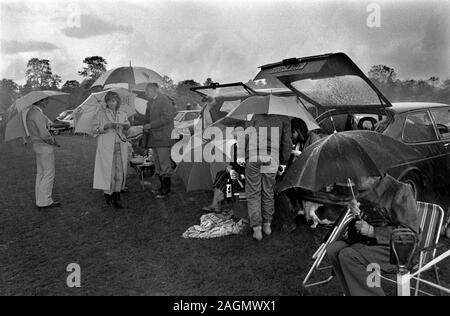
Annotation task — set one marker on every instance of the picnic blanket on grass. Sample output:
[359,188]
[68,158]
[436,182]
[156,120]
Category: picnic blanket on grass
[214,225]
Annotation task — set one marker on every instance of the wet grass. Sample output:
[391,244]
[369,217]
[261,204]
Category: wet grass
[136,251]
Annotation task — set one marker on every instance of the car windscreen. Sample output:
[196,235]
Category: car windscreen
[179,117]
[338,91]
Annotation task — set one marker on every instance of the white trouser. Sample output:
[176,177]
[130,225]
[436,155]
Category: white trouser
[45,163]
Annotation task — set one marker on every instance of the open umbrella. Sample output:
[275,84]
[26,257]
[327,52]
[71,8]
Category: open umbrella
[200,175]
[270,104]
[84,113]
[346,155]
[17,112]
[128,77]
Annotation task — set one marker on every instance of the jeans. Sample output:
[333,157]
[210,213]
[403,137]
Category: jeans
[259,189]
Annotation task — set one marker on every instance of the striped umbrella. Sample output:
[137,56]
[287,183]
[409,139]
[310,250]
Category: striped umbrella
[128,77]
[16,126]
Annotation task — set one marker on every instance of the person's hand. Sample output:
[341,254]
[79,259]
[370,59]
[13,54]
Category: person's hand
[241,162]
[282,170]
[354,207]
[364,228]
[296,153]
[109,126]
[147,127]
[234,175]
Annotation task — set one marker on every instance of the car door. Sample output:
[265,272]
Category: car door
[441,117]
[420,133]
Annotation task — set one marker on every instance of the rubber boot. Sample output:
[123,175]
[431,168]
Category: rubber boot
[116,200]
[165,190]
[108,199]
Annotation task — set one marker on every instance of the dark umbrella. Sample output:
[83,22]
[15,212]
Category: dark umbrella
[346,155]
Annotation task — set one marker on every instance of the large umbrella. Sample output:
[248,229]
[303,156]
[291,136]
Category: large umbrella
[200,175]
[128,77]
[346,155]
[17,113]
[84,113]
[270,104]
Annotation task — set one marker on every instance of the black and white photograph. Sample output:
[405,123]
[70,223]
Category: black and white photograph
[225,155]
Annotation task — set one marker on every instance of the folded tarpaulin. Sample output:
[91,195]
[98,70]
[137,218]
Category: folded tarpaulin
[214,226]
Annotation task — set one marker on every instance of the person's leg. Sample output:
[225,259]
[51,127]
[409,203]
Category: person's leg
[47,162]
[354,262]
[333,251]
[268,200]
[156,161]
[253,193]
[39,175]
[166,170]
[119,177]
[215,204]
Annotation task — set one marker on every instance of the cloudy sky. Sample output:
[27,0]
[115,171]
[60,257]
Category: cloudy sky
[225,40]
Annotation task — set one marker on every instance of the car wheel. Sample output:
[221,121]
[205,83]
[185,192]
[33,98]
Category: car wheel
[414,180]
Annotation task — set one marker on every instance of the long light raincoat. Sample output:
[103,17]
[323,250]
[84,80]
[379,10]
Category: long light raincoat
[106,143]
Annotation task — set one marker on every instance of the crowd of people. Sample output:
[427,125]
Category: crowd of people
[384,203]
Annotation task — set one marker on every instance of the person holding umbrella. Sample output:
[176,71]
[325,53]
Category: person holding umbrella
[108,125]
[385,204]
[158,127]
[44,146]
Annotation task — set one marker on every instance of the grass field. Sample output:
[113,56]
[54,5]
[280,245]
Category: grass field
[138,250]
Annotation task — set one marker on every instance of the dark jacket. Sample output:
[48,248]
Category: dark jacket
[283,145]
[395,204]
[159,114]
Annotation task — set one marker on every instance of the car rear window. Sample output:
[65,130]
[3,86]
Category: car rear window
[419,128]
[442,118]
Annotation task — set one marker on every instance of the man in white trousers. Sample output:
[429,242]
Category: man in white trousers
[44,146]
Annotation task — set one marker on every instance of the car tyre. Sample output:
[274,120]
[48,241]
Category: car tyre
[415,181]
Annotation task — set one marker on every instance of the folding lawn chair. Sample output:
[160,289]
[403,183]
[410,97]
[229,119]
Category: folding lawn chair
[431,218]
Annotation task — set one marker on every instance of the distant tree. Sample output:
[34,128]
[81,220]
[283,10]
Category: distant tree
[70,85]
[8,93]
[382,74]
[168,82]
[434,81]
[40,76]
[94,67]
[208,82]
[185,95]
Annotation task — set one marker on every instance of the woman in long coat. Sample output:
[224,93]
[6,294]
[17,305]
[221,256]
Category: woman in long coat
[111,159]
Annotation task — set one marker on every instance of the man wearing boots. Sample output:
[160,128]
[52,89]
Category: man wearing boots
[158,127]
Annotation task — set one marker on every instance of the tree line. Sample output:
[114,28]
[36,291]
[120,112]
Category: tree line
[40,76]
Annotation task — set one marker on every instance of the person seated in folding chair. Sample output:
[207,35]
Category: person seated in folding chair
[234,176]
[385,204]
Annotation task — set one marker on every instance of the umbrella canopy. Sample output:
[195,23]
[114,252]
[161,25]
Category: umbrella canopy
[270,104]
[131,77]
[17,112]
[84,113]
[345,155]
[201,175]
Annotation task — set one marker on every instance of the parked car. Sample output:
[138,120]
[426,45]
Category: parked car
[184,121]
[63,125]
[344,97]
[64,114]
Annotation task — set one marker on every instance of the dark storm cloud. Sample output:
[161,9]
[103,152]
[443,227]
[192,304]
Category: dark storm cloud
[91,26]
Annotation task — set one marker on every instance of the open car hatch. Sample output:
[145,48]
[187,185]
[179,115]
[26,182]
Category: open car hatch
[226,91]
[328,81]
